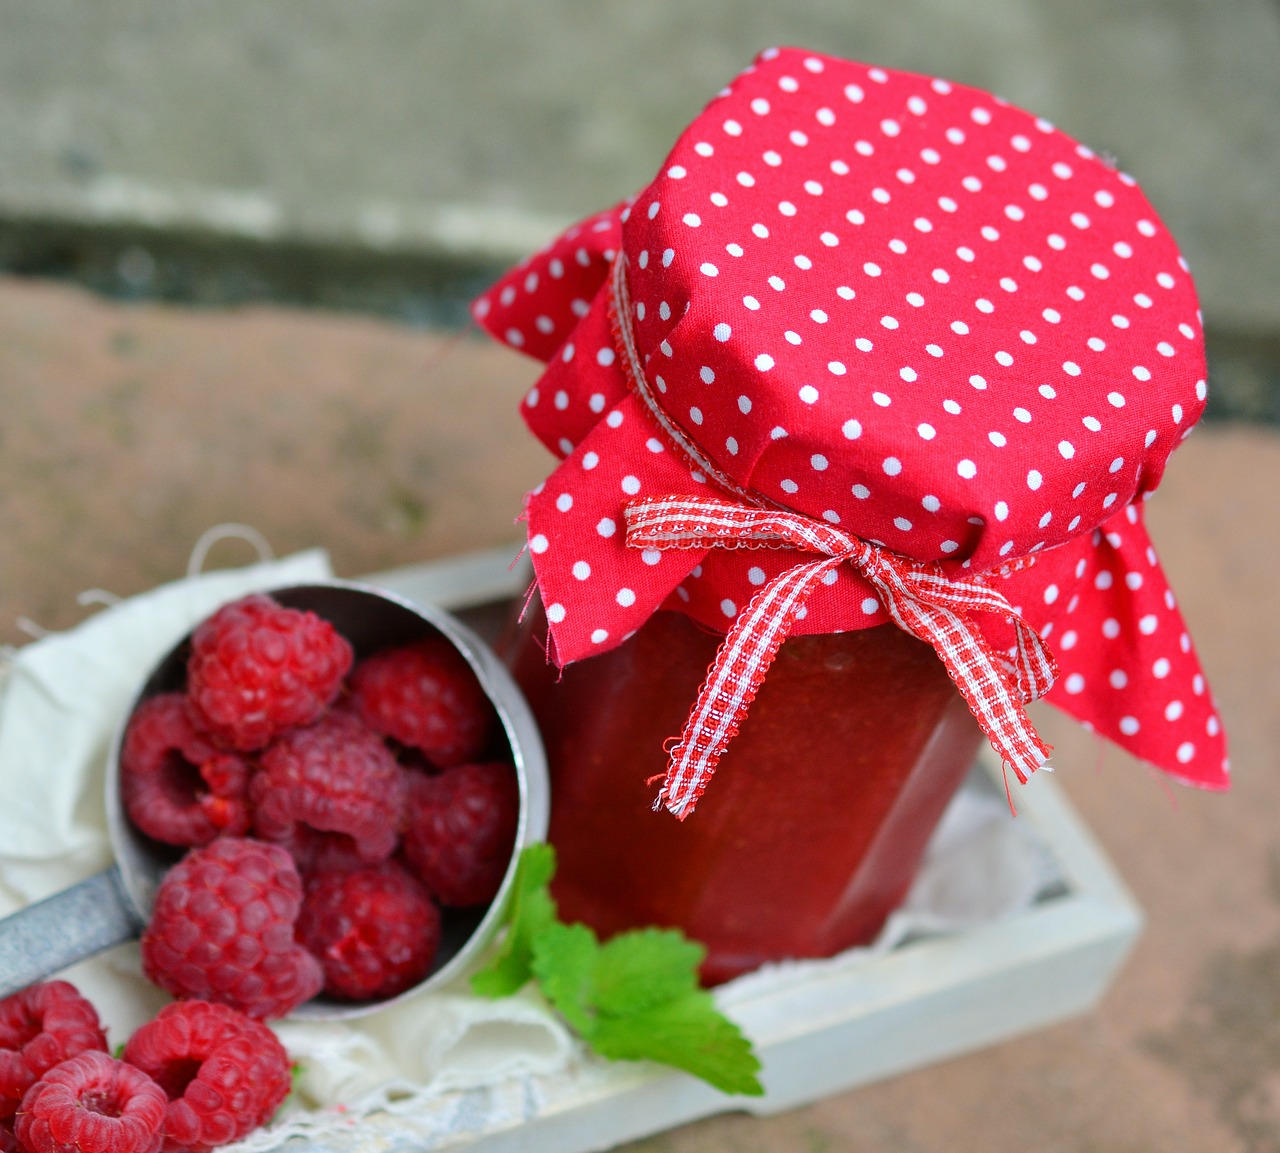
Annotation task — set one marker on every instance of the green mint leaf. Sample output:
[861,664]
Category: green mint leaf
[644,967]
[688,1033]
[531,911]
[564,957]
[634,998]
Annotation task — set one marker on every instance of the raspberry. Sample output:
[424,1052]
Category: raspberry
[426,696]
[222,930]
[327,790]
[258,668]
[460,830]
[375,930]
[92,1104]
[176,785]
[40,1027]
[224,1073]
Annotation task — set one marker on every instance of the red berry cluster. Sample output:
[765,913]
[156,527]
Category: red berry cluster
[331,808]
[197,1076]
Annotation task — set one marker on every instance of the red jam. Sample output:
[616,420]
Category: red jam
[815,822]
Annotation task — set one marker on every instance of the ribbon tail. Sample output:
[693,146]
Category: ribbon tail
[739,667]
[1034,668]
[993,696]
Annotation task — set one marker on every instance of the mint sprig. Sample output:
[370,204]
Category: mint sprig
[635,997]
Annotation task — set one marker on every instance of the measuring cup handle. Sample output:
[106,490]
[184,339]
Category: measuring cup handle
[67,927]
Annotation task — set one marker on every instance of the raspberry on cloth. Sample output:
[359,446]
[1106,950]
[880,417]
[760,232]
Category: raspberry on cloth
[92,1103]
[223,1072]
[40,1027]
[897,326]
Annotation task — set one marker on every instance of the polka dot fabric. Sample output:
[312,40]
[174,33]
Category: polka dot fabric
[899,306]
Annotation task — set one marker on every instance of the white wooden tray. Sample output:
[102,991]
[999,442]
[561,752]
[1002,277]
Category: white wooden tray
[924,1001]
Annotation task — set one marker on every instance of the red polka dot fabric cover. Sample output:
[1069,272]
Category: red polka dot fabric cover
[902,307]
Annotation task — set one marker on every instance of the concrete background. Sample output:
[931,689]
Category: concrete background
[474,128]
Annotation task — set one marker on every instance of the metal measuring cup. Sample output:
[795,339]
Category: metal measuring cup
[115,905]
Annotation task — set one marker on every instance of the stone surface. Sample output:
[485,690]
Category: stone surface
[479,127]
[126,431]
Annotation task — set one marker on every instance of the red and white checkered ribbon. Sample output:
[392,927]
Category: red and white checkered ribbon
[922,598]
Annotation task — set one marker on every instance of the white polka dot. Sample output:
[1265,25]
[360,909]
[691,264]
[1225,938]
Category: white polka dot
[722,331]
[756,575]
[564,502]
[926,431]
[852,429]
[555,613]
[860,491]
[870,606]
[630,485]
[808,394]
[539,544]
[581,570]
[892,466]
[709,269]
[1186,752]
[651,556]
[818,462]
[1111,628]
[654,445]
[1148,624]
[599,636]
[967,469]
[764,362]
[692,219]
[728,608]
[626,598]
[1129,725]
[1074,683]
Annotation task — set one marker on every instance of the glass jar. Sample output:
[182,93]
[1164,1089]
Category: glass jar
[818,815]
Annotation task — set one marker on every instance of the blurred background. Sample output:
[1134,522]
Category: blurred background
[237,241]
[389,156]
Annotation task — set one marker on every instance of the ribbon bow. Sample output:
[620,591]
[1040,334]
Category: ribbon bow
[922,598]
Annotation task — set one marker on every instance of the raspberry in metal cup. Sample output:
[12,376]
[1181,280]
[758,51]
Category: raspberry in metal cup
[116,905]
[874,355]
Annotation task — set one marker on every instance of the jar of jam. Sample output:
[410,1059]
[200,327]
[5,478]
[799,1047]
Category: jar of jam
[857,405]
[820,814]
